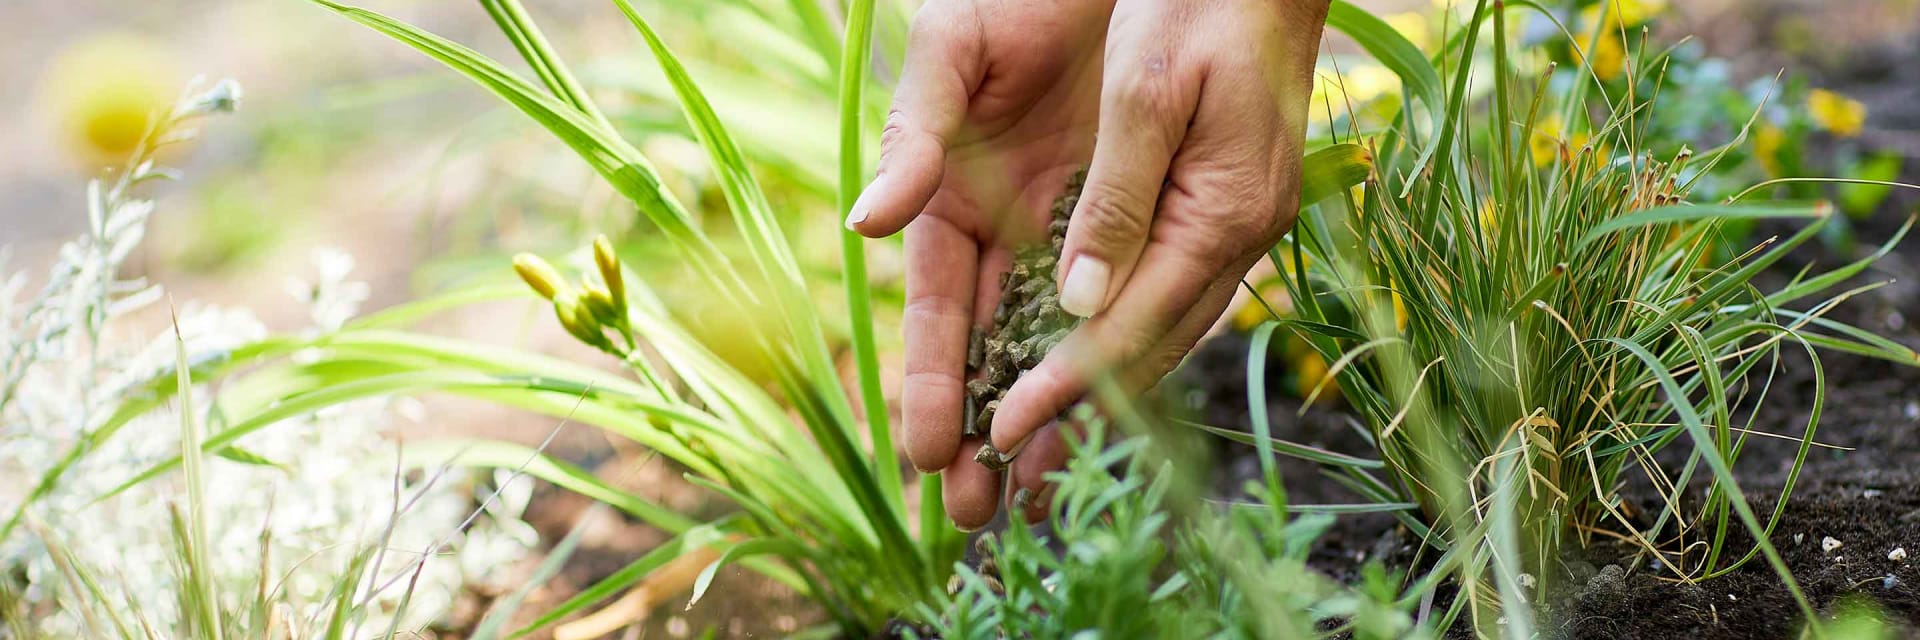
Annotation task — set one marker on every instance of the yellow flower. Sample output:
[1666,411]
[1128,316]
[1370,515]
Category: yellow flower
[1544,146]
[1839,114]
[1766,146]
[1630,13]
[1309,371]
[1251,313]
[105,90]
[1609,57]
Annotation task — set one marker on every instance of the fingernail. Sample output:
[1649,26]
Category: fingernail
[859,211]
[1086,288]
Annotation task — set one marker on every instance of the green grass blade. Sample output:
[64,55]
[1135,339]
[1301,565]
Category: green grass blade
[627,576]
[1699,212]
[754,217]
[503,609]
[1288,448]
[532,45]
[1722,471]
[505,455]
[762,546]
[1398,55]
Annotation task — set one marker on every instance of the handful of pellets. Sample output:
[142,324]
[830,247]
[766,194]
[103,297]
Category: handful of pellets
[1028,323]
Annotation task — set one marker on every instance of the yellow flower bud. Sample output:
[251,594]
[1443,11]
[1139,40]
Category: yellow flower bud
[578,320]
[609,263]
[540,275]
[602,305]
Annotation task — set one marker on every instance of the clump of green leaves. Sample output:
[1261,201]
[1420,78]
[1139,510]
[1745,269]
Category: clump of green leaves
[1128,554]
[1521,338]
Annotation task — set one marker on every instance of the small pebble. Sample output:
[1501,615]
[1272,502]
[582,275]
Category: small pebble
[1870,493]
[1799,538]
[1527,581]
[1731,597]
[1888,582]
[1913,410]
[1828,544]
[1898,554]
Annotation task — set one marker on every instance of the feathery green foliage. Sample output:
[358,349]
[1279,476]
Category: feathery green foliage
[1127,555]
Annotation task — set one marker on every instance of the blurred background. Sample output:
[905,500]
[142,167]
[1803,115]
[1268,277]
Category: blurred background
[348,140]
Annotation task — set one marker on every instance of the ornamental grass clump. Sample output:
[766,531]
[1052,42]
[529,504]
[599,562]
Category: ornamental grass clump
[1522,340]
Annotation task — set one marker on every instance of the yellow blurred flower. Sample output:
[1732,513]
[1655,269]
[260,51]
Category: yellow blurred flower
[1839,114]
[1251,313]
[1551,141]
[1609,57]
[1767,139]
[1631,13]
[105,89]
[1544,146]
[1610,19]
[1309,371]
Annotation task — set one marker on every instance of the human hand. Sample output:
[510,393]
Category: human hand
[1203,106]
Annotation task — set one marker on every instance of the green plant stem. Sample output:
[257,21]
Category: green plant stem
[853,78]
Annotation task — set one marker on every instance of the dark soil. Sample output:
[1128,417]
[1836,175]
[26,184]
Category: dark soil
[1865,495]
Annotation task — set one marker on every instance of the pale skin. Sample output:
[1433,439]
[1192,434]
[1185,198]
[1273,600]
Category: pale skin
[1200,109]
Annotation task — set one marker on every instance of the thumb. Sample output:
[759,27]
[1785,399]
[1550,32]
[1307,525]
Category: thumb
[942,68]
[1143,117]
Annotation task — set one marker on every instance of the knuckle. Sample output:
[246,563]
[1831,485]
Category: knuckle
[1126,342]
[1110,218]
[1254,227]
[894,129]
[1146,91]
[1236,214]
[1158,362]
